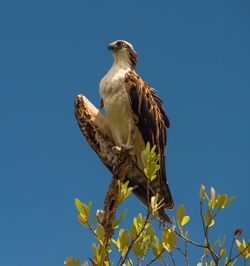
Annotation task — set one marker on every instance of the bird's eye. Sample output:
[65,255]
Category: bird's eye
[123,44]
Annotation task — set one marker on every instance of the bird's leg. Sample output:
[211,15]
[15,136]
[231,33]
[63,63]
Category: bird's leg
[125,149]
[131,137]
[122,155]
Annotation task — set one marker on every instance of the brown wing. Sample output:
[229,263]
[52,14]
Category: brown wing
[152,123]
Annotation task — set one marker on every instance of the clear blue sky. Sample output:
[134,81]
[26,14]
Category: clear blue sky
[195,53]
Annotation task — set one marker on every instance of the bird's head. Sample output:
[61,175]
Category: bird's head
[123,52]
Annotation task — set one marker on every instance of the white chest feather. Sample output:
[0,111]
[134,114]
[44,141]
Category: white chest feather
[118,110]
[116,103]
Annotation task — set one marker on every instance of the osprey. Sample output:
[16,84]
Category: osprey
[136,115]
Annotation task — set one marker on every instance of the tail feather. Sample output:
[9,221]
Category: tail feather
[164,216]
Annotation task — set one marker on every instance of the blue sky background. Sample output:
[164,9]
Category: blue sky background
[195,53]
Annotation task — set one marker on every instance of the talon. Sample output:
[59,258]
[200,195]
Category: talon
[116,149]
[126,147]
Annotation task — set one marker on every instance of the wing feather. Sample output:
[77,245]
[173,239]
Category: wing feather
[152,122]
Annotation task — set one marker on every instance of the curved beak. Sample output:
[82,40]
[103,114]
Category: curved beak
[111,46]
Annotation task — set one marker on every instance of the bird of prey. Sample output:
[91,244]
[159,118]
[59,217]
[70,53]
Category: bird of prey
[136,115]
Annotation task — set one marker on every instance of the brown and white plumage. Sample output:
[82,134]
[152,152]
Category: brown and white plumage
[135,113]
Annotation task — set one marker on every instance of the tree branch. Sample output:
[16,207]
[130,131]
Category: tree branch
[123,160]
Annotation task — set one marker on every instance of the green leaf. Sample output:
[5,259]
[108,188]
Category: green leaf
[214,245]
[124,191]
[137,248]
[156,247]
[180,213]
[82,220]
[208,217]
[223,252]
[94,249]
[212,203]
[129,191]
[155,250]
[172,240]
[139,219]
[79,206]
[124,238]
[201,191]
[93,221]
[206,196]
[212,193]
[117,222]
[223,240]
[85,263]
[230,200]
[150,160]
[242,247]
[86,210]
[185,220]
[133,232]
[149,236]
[71,261]
[130,262]
[212,263]
[82,208]
[222,200]
[123,216]
[117,244]
[100,232]
[101,253]
[169,239]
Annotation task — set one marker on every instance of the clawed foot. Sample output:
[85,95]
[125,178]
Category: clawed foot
[124,148]
[121,152]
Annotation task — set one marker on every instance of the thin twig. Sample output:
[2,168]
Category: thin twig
[231,249]
[186,257]
[183,255]
[172,257]
[164,261]
[183,237]
[202,258]
[186,252]
[155,258]
[94,264]
[144,256]
[205,229]
[91,229]
[235,257]
[133,241]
